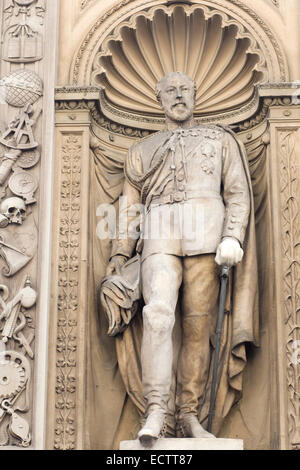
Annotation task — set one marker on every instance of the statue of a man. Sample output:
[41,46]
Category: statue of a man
[193,183]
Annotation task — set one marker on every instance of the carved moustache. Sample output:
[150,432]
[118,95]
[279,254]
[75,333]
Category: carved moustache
[178,104]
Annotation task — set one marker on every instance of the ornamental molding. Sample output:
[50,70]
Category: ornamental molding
[84,98]
[68,293]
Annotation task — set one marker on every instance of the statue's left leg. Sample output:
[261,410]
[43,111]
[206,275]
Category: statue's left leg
[161,279]
[199,313]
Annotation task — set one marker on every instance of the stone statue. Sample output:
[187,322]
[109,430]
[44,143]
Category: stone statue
[198,215]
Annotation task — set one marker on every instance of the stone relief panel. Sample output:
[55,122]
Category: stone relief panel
[68,285]
[22,38]
[21,93]
[288,141]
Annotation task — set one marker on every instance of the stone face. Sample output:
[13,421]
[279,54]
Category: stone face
[186,444]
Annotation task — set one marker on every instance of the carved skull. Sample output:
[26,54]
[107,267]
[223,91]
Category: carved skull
[14,210]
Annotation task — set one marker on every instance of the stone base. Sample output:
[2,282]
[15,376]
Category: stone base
[186,444]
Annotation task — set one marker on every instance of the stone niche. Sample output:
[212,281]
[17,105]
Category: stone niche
[105,101]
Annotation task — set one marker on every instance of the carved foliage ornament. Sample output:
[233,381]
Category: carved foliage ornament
[289,192]
[68,290]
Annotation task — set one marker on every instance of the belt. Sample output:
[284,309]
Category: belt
[180,196]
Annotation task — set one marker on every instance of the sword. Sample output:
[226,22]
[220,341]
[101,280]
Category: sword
[223,291]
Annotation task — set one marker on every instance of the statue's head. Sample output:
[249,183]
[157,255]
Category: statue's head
[177,92]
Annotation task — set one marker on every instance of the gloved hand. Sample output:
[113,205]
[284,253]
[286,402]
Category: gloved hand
[229,252]
[115,265]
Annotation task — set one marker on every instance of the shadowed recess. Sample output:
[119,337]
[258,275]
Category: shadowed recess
[225,65]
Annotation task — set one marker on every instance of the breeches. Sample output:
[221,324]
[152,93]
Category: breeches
[196,278]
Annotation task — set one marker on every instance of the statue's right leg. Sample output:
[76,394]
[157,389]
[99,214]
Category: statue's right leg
[161,280]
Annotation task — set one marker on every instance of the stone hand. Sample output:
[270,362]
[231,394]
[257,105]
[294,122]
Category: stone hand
[115,265]
[229,253]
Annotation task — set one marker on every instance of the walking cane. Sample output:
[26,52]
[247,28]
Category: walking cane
[223,291]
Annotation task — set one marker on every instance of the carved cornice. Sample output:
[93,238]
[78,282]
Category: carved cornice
[157,123]
[84,98]
[74,105]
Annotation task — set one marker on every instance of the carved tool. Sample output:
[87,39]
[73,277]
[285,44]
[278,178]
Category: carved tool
[25,298]
[14,258]
[18,426]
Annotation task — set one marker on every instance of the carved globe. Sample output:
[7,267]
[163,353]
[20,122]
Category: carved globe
[21,87]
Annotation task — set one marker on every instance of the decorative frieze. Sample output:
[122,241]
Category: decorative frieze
[66,385]
[68,285]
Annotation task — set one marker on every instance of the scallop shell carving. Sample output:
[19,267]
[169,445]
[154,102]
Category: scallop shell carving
[207,45]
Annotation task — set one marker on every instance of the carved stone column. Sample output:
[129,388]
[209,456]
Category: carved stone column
[69,288]
[284,173]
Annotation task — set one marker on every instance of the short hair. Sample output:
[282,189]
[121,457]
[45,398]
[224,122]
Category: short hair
[170,75]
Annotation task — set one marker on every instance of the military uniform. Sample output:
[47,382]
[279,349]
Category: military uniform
[193,184]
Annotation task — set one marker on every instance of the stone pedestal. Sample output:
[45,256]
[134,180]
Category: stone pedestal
[186,444]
